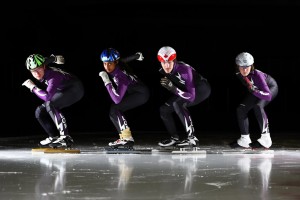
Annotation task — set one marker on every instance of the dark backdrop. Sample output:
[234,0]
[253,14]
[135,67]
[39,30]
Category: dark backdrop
[206,34]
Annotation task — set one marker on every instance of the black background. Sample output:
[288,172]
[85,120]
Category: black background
[206,34]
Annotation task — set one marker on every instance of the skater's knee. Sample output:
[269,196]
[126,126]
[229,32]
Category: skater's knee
[164,112]
[113,110]
[113,113]
[257,107]
[39,110]
[179,107]
[49,106]
[241,110]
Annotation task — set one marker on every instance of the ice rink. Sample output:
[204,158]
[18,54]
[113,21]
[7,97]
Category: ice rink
[94,174]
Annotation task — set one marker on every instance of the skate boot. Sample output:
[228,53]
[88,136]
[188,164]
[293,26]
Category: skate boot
[64,141]
[189,142]
[126,140]
[122,144]
[169,142]
[242,142]
[263,142]
[46,142]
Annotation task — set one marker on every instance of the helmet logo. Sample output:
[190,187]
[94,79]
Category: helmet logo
[166,54]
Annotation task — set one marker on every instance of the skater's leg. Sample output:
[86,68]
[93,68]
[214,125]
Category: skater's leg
[46,122]
[181,106]
[184,115]
[265,139]
[243,121]
[65,98]
[166,114]
[58,118]
[116,115]
[261,116]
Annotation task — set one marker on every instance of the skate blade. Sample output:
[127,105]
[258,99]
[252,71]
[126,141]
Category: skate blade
[162,149]
[248,151]
[129,150]
[40,149]
[54,150]
[61,150]
[193,150]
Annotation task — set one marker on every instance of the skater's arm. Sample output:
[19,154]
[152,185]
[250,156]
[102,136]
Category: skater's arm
[58,59]
[186,82]
[260,87]
[115,94]
[137,56]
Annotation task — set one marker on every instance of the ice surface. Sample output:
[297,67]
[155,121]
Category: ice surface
[92,174]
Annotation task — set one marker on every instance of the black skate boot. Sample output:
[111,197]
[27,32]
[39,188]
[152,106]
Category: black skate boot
[172,142]
[257,145]
[264,142]
[235,145]
[190,142]
[64,141]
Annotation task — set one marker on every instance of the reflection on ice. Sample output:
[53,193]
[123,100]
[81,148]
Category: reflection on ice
[125,170]
[265,168]
[52,181]
[189,162]
[158,176]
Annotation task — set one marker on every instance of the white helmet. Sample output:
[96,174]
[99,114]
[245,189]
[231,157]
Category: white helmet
[166,54]
[244,59]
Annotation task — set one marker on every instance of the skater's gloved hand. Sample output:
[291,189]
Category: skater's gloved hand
[104,77]
[241,78]
[59,59]
[166,83]
[249,84]
[141,57]
[29,84]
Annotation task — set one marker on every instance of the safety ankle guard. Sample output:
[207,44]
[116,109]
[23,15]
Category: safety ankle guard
[126,134]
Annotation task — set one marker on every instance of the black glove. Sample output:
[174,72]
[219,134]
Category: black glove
[166,83]
[241,78]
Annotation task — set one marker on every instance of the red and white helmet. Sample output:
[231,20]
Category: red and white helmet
[166,54]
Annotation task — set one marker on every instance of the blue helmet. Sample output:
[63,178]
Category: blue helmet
[109,55]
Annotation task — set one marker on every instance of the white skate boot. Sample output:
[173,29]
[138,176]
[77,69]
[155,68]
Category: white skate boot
[46,142]
[189,142]
[125,141]
[122,143]
[64,141]
[243,142]
[264,141]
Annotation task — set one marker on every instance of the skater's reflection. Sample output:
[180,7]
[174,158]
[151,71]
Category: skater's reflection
[259,164]
[189,162]
[265,168]
[52,182]
[244,164]
[125,170]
